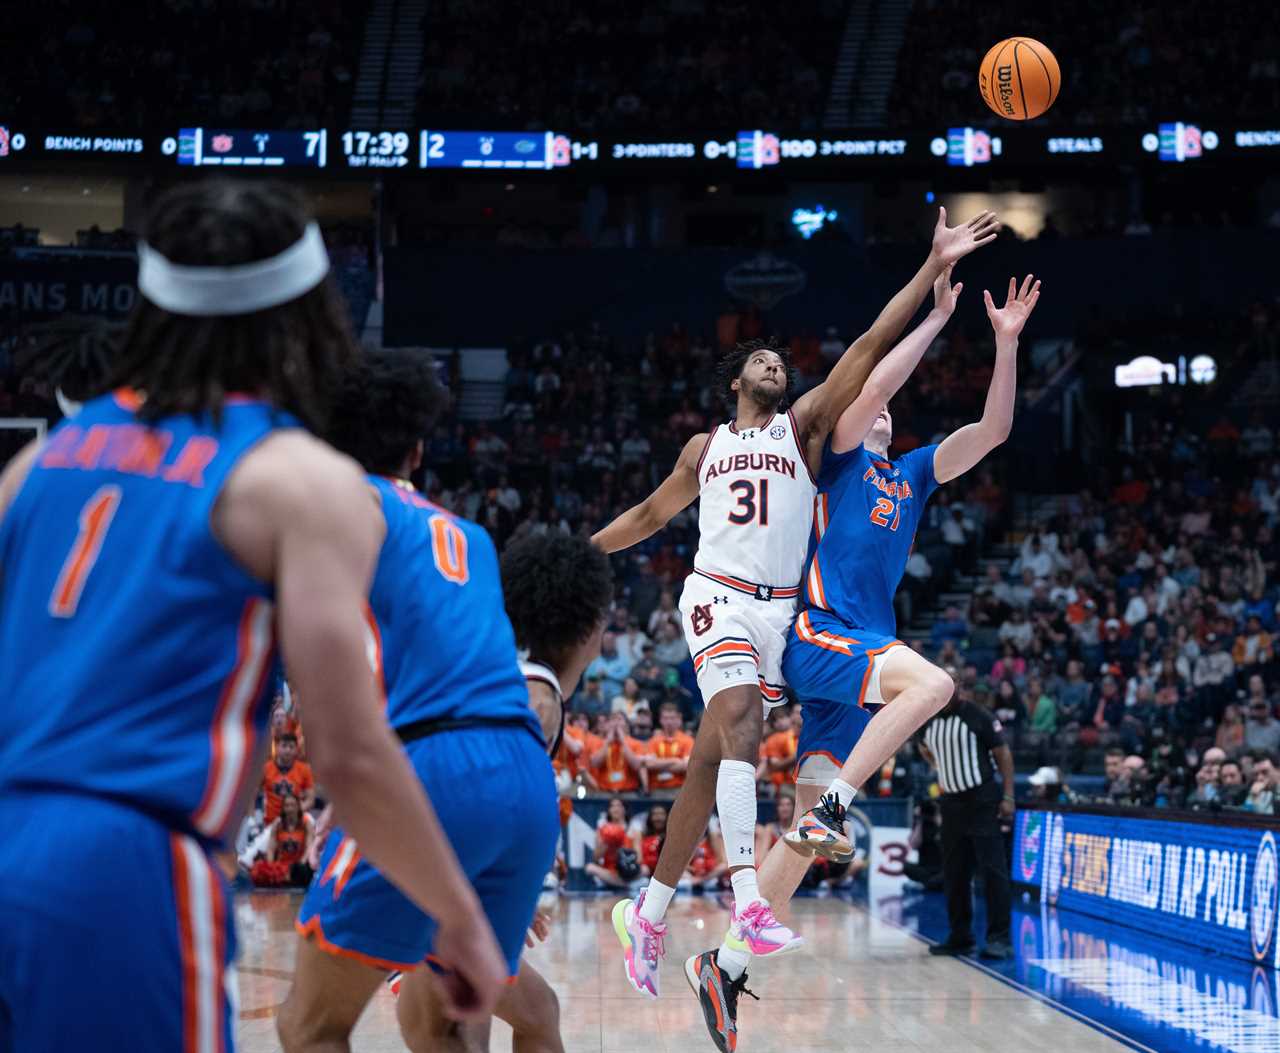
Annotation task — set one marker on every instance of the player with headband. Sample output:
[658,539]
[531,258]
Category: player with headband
[154,550]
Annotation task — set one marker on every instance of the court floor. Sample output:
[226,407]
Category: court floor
[864,981]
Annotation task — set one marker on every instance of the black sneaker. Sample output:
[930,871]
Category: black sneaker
[996,951]
[949,949]
[821,831]
[718,996]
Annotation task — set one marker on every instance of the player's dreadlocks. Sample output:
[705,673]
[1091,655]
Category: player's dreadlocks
[292,353]
[388,400]
[558,590]
[731,364]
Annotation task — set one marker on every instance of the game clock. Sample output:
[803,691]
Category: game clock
[376,149]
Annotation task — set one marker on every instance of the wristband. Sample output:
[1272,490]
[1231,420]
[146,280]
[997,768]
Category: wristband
[1008,798]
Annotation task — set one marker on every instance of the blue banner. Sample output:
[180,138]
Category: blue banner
[1214,885]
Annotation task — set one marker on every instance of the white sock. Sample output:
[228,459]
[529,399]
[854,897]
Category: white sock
[732,961]
[842,791]
[746,888]
[657,897]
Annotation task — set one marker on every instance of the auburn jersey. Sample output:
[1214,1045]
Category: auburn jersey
[756,503]
[136,654]
[864,523]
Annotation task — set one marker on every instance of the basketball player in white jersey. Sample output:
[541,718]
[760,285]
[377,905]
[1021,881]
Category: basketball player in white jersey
[755,477]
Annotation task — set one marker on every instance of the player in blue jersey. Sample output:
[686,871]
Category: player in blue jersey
[445,653]
[150,550]
[842,652]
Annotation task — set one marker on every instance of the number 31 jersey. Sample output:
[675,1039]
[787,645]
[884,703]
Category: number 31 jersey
[864,524]
[756,504]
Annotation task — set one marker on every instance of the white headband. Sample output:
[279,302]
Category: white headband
[239,289]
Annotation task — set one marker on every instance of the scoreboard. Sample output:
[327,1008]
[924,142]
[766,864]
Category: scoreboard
[994,146]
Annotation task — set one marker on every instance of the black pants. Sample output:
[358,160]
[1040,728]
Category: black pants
[973,845]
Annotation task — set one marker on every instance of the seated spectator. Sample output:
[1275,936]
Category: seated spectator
[590,698]
[610,666]
[769,834]
[950,627]
[671,648]
[642,724]
[615,864]
[778,751]
[1044,710]
[1265,788]
[1230,734]
[667,756]
[665,613]
[629,701]
[286,775]
[1261,729]
[1253,646]
[1116,786]
[1213,677]
[707,866]
[288,842]
[648,839]
[617,765]
[1231,787]
[1010,711]
[651,675]
[632,641]
[1207,791]
[1010,665]
[1036,558]
[1016,630]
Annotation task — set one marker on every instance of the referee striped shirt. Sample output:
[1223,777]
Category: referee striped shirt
[961,739]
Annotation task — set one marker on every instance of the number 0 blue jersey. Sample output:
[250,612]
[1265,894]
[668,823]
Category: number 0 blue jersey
[864,523]
[135,653]
[444,644]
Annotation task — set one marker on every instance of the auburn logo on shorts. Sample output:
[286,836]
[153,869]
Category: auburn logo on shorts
[701,618]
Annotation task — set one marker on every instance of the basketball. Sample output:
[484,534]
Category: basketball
[1019,78]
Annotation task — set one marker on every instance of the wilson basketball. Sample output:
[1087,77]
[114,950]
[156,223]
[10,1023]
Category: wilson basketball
[1019,78]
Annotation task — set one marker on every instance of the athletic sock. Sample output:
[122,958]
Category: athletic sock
[736,803]
[657,897]
[842,791]
[732,961]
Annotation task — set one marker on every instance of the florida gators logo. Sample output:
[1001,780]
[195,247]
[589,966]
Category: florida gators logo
[701,618]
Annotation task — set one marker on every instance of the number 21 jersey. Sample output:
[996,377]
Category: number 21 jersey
[864,523]
[756,503]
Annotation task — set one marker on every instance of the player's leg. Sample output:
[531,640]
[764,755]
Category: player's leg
[782,869]
[912,690]
[328,995]
[424,1025]
[532,1009]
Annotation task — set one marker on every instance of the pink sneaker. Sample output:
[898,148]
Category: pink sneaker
[757,932]
[642,945]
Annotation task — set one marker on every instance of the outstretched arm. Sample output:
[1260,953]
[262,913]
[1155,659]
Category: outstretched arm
[817,410]
[675,494]
[894,369]
[964,448]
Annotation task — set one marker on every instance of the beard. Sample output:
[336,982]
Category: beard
[767,397]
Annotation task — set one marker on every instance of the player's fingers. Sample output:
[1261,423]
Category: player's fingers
[986,298]
[1032,300]
[1025,288]
[989,222]
[979,219]
[942,217]
[1013,292]
[985,239]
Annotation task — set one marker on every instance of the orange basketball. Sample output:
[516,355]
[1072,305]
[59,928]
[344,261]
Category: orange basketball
[1019,78]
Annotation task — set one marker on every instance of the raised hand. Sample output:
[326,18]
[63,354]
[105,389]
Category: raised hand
[1007,321]
[945,295]
[951,244]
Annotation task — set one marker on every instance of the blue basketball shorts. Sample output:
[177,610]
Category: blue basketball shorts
[116,933]
[835,672]
[494,792]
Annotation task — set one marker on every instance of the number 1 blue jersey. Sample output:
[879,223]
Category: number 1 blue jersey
[442,638]
[864,523]
[135,653]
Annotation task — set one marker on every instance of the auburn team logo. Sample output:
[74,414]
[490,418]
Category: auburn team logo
[701,618]
[778,431]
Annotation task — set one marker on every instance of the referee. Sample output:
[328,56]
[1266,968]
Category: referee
[960,742]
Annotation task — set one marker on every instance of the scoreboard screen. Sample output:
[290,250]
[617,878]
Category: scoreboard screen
[238,147]
[493,150]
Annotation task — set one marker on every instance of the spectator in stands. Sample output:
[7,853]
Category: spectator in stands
[629,701]
[286,775]
[1264,791]
[611,866]
[1207,791]
[671,649]
[651,675]
[1036,558]
[667,756]
[951,627]
[1231,787]
[590,698]
[642,724]
[611,667]
[1016,630]
[1213,677]
[1261,729]
[1116,785]
[1253,646]
[778,751]
[1230,734]
[665,613]
[648,839]
[289,840]
[617,765]
[632,641]
[769,834]
[576,748]
[707,866]
[1010,665]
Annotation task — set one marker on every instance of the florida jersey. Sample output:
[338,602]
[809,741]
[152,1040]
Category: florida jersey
[440,634]
[135,653]
[755,504]
[864,523]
